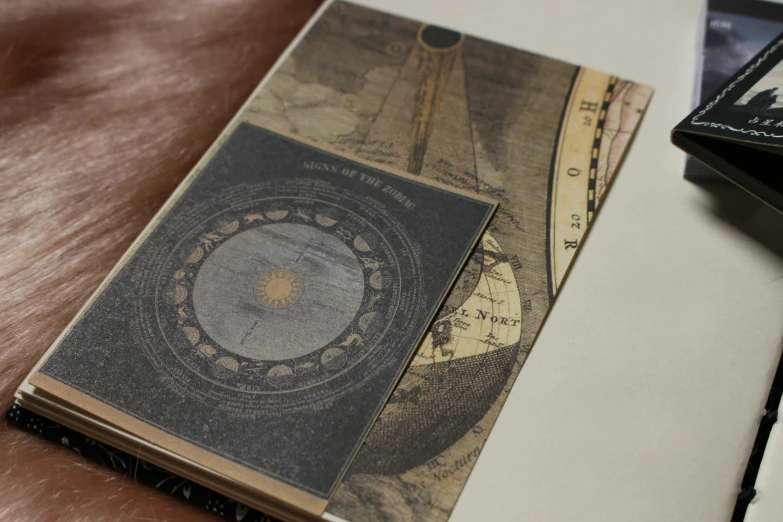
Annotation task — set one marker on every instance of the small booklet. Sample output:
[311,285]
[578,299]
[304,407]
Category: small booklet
[733,32]
[260,322]
[251,339]
[738,131]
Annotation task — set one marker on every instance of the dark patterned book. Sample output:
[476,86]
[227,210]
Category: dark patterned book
[134,468]
[734,31]
[738,130]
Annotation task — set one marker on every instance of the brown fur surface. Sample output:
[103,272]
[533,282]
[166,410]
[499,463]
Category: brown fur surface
[104,107]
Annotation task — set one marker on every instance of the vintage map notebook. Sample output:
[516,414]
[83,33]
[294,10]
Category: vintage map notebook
[738,131]
[542,137]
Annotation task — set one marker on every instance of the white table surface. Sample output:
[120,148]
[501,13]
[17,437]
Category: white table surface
[641,398]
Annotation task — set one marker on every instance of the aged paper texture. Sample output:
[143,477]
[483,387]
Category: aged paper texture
[541,136]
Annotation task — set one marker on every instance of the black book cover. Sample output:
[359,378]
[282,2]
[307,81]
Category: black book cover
[738,131]
[733,32]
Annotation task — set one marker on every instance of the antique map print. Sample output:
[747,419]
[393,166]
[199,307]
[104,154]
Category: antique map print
[542,137]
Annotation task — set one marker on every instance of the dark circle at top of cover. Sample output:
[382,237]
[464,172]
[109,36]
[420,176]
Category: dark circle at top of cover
[438,37]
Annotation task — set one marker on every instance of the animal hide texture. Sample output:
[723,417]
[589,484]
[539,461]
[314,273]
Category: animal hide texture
[104,107]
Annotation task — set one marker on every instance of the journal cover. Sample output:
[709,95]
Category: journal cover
[260,322]
[739,130]
[734,32]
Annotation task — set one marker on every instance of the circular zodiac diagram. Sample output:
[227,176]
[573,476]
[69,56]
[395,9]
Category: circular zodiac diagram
[285,301]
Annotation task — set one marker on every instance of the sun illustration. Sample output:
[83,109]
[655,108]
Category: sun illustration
[278,289]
